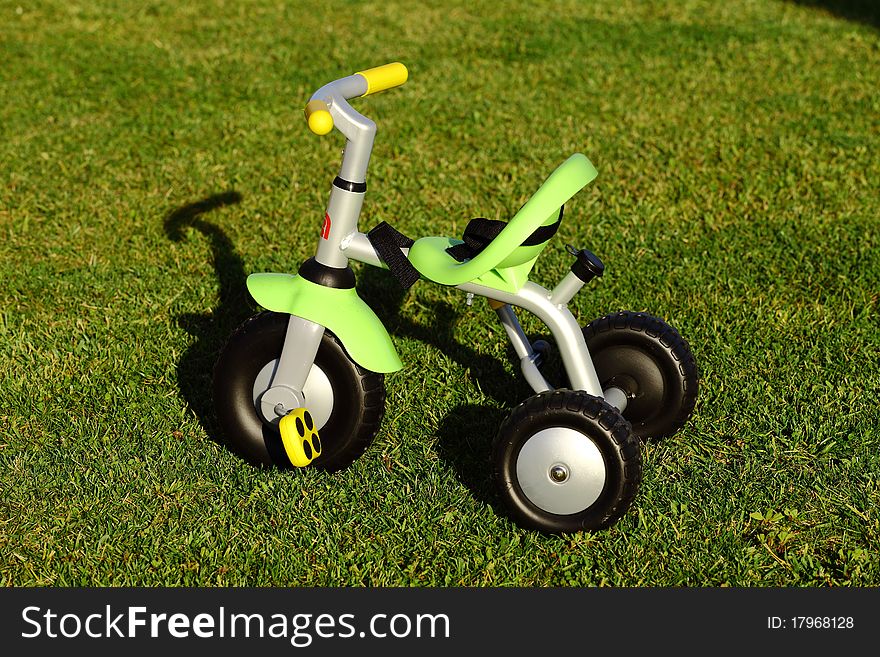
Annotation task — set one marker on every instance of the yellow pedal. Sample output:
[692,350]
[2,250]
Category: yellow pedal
[300,437]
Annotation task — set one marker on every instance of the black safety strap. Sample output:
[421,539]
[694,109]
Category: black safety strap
[388,243]
[480,232]
[477,235]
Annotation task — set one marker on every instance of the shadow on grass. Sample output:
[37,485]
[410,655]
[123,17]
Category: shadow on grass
[210,329]
[385,297]
[464,437]
[464,443]
[861,11]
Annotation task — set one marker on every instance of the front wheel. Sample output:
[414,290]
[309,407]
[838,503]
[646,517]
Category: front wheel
[346,401]
[566,461]
[649,361]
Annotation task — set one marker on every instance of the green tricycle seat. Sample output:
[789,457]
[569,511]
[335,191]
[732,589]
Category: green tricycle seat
[505,263]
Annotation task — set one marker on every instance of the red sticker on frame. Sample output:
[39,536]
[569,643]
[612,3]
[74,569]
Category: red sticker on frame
[325,231]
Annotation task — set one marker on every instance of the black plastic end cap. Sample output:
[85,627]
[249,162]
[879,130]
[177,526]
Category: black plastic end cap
[587,266]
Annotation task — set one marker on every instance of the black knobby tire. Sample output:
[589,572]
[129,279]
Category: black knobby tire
[598,422]
[650,361]
[358,396]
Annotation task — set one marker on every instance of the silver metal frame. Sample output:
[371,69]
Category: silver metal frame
[345,242]
[550,307]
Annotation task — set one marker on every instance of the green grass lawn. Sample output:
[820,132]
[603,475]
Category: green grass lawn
[154,153]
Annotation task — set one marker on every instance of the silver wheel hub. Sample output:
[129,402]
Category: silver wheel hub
[561,471]
[274,403]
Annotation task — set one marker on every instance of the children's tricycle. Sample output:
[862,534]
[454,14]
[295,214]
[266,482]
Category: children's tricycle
[303,382]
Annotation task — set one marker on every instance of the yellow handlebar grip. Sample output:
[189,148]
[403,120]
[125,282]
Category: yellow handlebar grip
[318,117]
[384,77]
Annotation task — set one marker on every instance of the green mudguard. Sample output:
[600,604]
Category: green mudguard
[342,311]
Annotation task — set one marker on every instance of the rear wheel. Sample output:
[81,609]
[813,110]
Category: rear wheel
[566,461]
[652,364]
[345,401]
